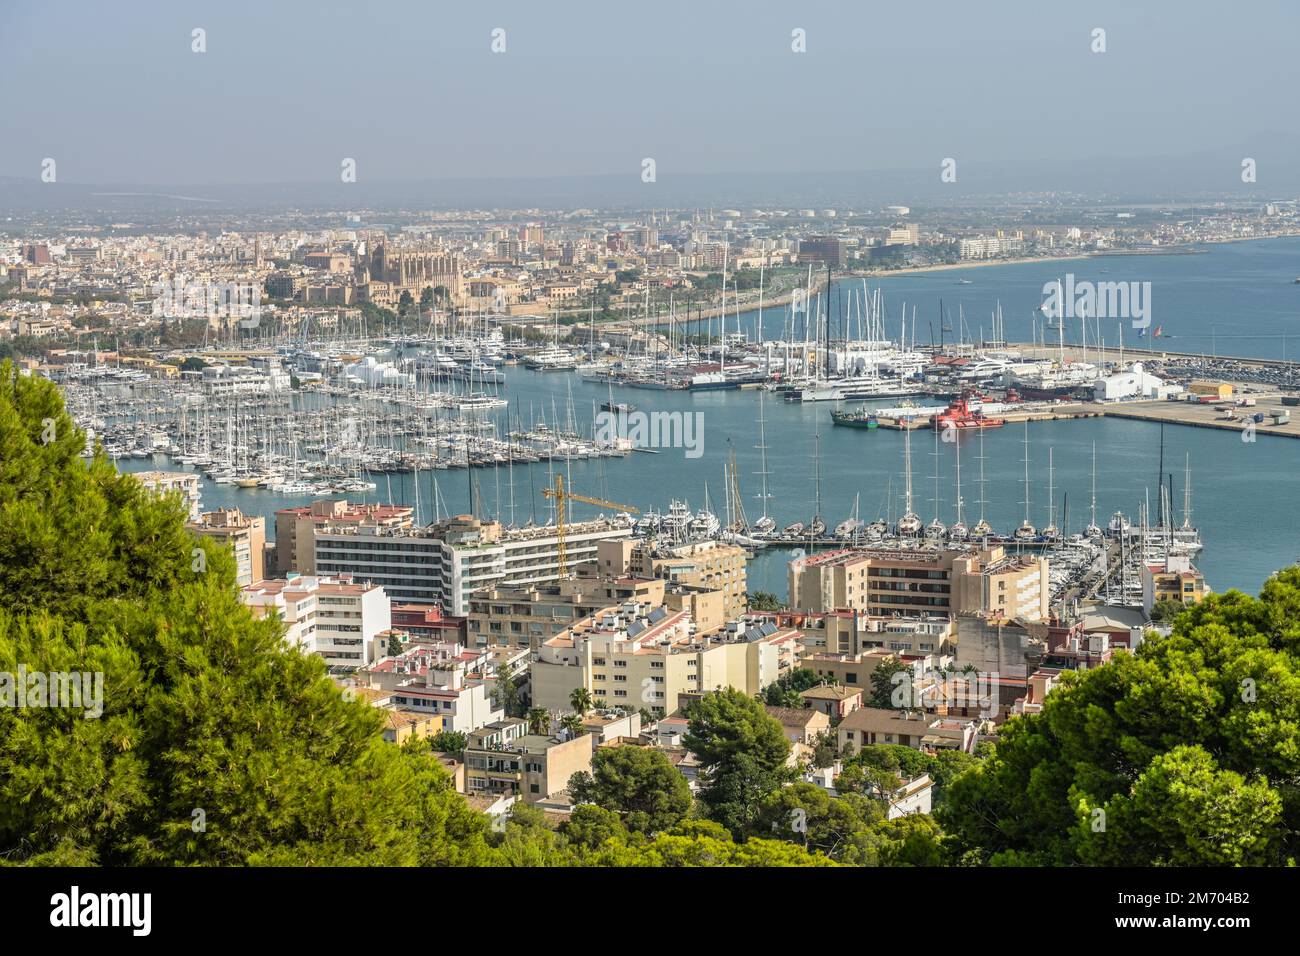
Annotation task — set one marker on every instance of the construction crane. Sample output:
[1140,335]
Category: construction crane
[562,498]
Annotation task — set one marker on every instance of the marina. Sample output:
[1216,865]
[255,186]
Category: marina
[382,418]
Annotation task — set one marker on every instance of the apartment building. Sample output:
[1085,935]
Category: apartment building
[447,562]
[244,534]
[886,582]
[417,664]
[525,617]
[644,657]
[427,623]
[333,618]
[851,632]
[446,690]
[836,701]
[1174,579]
[183,483]
[992,644]
[909,728]
[823,249]
[295,528]
[503,759]
[986,247]
[711,565]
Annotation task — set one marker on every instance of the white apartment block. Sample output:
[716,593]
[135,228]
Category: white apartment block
[985,247]
[444,692]
[447,562]
[640,657]
[337,620]
[443,681]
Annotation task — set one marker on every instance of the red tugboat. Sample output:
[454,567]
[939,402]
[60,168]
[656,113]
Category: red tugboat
[959,414]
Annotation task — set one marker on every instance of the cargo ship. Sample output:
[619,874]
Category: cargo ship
[861,419]
[959,414]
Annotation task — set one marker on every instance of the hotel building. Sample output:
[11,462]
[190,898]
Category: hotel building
[447,562]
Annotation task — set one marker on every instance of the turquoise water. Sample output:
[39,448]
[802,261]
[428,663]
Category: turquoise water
[1241,296]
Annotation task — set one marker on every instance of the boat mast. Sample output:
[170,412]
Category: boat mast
[762,451]
[907,471]
[817,475]
[1026,459]
[1094,484]
[958,502]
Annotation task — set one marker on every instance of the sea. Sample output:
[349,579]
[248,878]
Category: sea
[1234,299]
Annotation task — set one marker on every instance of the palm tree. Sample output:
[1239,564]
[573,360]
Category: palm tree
[572,724]
[539,720]
[580,700]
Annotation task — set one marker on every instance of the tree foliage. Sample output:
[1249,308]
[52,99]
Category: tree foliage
[743,751]
[638,783]
[1185,752]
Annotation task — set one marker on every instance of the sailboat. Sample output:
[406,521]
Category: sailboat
[936,529]
[1186,538]
[1093,531]
[817,527]
[958,531]
[982,528]
[765,524]
[909,524]
[1051,531]
[851,526]
[1026,531]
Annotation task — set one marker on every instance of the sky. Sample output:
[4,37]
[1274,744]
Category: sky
[413,90]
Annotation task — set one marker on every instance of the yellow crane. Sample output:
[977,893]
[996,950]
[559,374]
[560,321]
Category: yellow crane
[562,498]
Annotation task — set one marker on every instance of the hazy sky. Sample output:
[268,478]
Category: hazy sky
[412,90]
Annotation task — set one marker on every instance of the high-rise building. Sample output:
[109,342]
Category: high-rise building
[295,541]
[446,562]
[822,249]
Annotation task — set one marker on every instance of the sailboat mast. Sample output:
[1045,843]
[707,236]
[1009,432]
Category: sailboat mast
[762,450]
[1094,484]
[1026,471]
